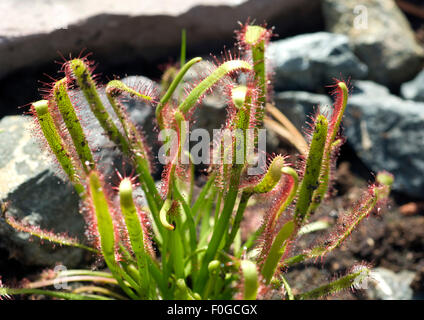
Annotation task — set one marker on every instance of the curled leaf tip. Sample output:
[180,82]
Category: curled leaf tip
[385,178]
[164,212]
[342,85]
[271,177]
[238,95]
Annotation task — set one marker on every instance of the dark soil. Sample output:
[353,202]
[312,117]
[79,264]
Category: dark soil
[389,239]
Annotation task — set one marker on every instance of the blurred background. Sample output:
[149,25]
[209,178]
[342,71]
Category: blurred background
[378,45]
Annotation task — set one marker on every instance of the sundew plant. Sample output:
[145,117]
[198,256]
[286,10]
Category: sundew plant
[185,244]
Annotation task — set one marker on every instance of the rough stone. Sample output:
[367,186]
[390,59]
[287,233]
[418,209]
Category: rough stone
[387,133]
[414,89]
[37,195]
[141,30]
[380,35]
[387,285]
[311,61]
[298,106]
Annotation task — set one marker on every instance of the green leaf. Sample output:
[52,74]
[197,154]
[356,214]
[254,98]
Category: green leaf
[73,125]
[54,294]
[60,239]
[171,90]
[213,78]
[359,275]
[57,145]
[310,180]
[251,280]
[85,81]
[135,231]
[277,250]
[164,212]
[106,232]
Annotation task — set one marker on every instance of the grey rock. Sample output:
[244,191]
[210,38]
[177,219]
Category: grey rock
[387,133]
[387,285]
[414,89]
[37,194]
[380,35]
[32,32]
[212,112]
[311,61]
[298,106]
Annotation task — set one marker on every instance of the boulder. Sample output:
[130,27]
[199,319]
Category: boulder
[380,35]
[310,61]
[142,31]
[387,133]
[126,40]
[36,193]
